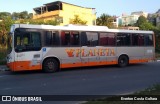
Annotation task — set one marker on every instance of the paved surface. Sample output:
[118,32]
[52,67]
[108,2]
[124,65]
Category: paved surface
[3,68]
[108,80]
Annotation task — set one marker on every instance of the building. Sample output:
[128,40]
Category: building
[154,18]
[140,13]
[130,28]
[64,12]
[158,20]
[129,20]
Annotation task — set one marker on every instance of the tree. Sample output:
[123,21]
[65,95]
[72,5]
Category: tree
[143,24]
[105,20]
[15,16]
[77,20]
[30,15]
[5,25]
[146,26]
[141,20]
[23,15]
[4,14]
[37,22]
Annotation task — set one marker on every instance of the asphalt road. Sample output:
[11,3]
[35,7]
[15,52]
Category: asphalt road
[106,80]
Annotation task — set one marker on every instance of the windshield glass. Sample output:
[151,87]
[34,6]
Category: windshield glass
[27,41]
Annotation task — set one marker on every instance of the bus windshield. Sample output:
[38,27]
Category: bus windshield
[27,41]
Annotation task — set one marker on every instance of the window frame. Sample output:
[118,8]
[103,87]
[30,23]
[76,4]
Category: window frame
[22,47]
[70,37]
[152,41]
[20,32]
[108,34]
[124,39]
[56,37]
[89,45]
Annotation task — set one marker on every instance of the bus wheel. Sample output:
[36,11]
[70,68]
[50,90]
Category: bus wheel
[50,65]
[123,61]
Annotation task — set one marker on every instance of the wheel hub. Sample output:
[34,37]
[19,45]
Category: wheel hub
[50,65]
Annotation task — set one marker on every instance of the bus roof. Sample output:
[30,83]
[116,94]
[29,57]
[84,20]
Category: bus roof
[79,28]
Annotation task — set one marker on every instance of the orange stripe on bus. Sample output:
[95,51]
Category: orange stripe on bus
[23,65]
[69,65]
[80,64]
[138,61]
[26,65]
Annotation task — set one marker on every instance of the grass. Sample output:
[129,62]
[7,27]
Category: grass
[153,91]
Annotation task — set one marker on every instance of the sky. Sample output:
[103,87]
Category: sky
[111,7]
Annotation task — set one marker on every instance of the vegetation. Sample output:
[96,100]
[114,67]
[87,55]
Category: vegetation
[4,29]
[16,15]
[7,19]
[77,20]
[37,22]
[143,24]
[105,20]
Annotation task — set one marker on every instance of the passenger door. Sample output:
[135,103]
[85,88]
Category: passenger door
[89,49]
[70,51]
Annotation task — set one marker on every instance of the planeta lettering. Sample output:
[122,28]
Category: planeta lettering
[70,52]
[90,52]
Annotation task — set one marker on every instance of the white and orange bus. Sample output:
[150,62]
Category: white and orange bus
[51,48]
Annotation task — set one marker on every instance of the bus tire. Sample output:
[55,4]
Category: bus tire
[123,61]
[50,65]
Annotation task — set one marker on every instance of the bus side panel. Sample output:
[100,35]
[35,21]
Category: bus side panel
[135,54]
[111,53]
[68,56]
[149,53]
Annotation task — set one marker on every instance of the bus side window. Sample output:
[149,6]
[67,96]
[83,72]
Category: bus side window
[52,38]
[103,39]
[83,39]
[55,38]
[92,38]
[134,39]
[140,40]
[65,38]
[111,39]
[123,39]
[107,39]
[74,38]
[148,40]
[48,38]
